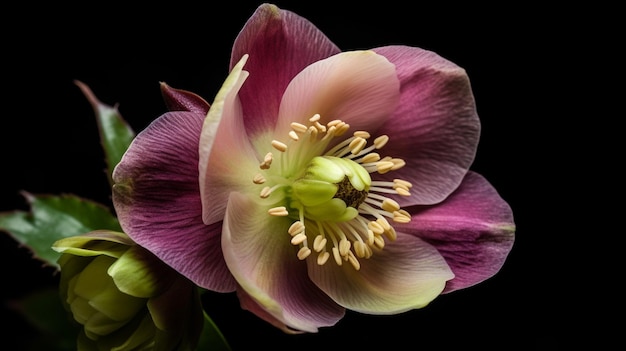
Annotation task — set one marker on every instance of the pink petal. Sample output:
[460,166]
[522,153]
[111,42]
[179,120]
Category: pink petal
[358,87]
[259,254]
[227,161]
[157,199]
[435,128]
[280,44]
[473,229]
[182,100]
[406,274]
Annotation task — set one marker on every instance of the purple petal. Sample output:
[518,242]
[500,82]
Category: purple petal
[473,229]
[182,100]
[435,128]
[157,199]
[280,44]
[259,253]
[359,87]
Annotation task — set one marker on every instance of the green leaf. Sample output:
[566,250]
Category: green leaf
[115,134]
[211,338]
[52,218]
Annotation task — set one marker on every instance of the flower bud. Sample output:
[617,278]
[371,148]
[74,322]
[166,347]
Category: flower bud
[124,297]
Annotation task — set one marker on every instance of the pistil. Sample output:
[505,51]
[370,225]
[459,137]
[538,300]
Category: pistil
[328,192]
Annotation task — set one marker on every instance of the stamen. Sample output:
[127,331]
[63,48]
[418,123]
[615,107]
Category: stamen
[298,238]
[267,161]
[265,193]
[381,141]
[337,257]
[293,135]
[401,216]
[356,145]
[298,127]
[316,117]
[353,261]
[322,258]
[279,145]
[296,228]
[280,211]
[384,166]
[258,179]
[369,158]
[361,134]
[303,253]
[319,243]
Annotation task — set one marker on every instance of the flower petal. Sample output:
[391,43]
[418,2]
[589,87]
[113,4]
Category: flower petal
[406,274]
[435,128]
[227,161]
[259,253]
[359,87]
[280,44]
[182,100]
[157,200]
[473,229]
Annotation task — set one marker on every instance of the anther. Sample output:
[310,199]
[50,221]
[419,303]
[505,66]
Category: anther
[322,258]
[258,179]
[376,228]
[298,127]
[265,193]
[397,163]
[361,134]
[293,135]
[337,257]
[401,216]
[316,117]
[296,228]
[344,247]
[298,239]
[267,161]
[383,167]
[303,253]
[390,205]
[353,261]
[357,145]
[319,243]
[371,157]
[381,141]
[279,146]
[280,211]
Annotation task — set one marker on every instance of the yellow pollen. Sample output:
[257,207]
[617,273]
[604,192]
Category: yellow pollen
[337,257]
[316,117]
[384,166]
[371,157]
[361,134]
[353,261]
[401,216]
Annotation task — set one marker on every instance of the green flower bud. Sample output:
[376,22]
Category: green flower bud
[124,297]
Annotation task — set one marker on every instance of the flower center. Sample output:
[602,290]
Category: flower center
[329,192]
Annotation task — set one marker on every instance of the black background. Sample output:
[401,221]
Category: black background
[49,144]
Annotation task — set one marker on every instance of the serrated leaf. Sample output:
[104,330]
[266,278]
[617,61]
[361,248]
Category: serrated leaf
[211,338]
[55,217]
[115,134]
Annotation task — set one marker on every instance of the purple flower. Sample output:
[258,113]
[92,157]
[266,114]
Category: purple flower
[318,180]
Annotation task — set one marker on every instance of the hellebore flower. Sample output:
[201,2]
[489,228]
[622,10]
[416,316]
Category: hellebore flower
[318,180]
[124,297]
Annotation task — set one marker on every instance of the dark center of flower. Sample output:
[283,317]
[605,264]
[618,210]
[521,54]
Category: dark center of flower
[352,197]
[335,206]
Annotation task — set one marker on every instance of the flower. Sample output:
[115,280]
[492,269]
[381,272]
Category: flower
[124,297]
[318,180]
